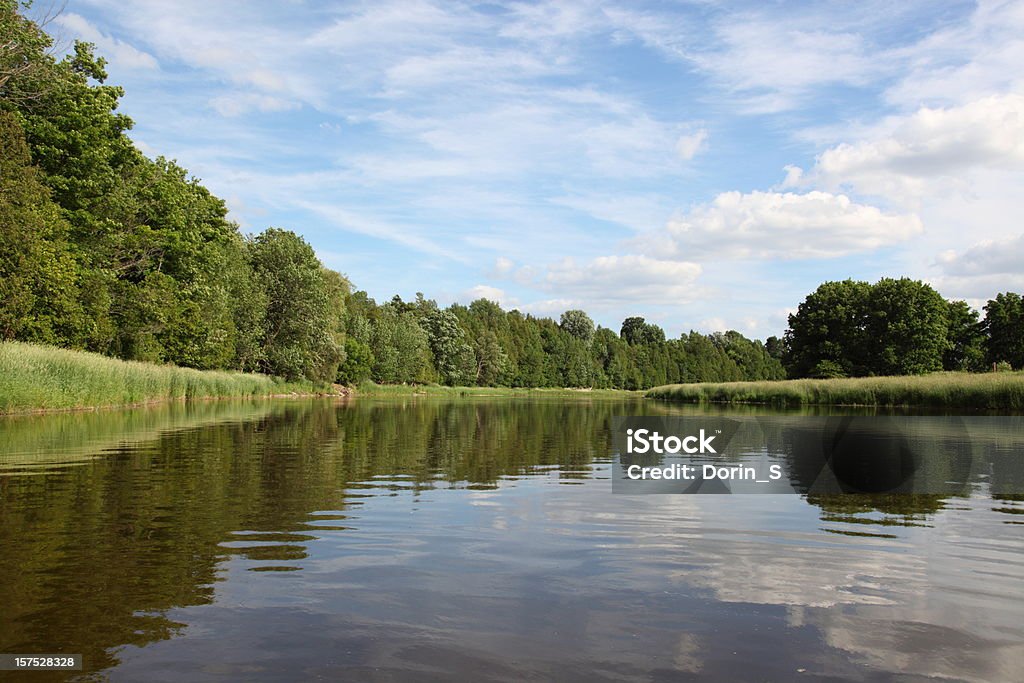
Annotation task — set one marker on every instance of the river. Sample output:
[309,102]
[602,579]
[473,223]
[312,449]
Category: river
[477,539]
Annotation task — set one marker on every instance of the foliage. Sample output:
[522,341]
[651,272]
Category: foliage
[830,325]
[635,330]
[965,339]
[401,351]
[452,355]
[298,339]
[578,324]
[1004,325]
[39,298]
[358,363]
[907,325]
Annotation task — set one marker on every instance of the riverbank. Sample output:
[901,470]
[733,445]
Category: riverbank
[982,391]
[372,390]
[36,378]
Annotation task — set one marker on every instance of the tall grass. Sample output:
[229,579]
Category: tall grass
[988,391]
[36,377]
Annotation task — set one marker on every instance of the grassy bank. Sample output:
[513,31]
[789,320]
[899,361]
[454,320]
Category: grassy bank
[370,389]
[47,378]
[990,391]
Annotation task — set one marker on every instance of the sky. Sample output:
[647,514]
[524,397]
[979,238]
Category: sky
[705,165]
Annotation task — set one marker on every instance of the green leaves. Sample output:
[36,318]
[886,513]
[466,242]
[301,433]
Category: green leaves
[1004,323]
[297,338]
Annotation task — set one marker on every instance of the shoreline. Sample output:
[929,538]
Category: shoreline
[45,379]
[992,391]
[167,401]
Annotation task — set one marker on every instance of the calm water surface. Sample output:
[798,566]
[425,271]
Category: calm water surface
[478,540]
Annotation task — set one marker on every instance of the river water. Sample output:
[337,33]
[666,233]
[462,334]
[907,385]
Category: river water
[479,539]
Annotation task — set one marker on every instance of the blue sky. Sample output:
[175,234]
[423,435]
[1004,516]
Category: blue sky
[702,164]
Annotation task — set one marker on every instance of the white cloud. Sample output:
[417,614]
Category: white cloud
[238,103]
[550,307]
[715,324]
[119,53]
[989,257]
[781,225]
[638,212]
[503,267]
[924,152]
[983,270]
[687,146]
[619,279]
[487,292]
[773,64]
[374,227]
[964,60]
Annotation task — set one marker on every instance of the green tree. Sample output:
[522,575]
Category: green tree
[358,364]
[401,351]
[635,330]
[829,326]
[907,325]
[1004,326]
[298,333]
[452,355]
[965,347]
[578,324]
[491,360]
[38,275]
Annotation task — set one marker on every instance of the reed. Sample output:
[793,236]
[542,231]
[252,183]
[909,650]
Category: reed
[999,391]
[35,377]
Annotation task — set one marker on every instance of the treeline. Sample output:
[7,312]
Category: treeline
[104,249]
[481,344]
[898,327]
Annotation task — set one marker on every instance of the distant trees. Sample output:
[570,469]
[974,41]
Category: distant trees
[1004,325]
[300,322]
[897,327]
[578,324]
[965,337]
[635,330]
[453,357]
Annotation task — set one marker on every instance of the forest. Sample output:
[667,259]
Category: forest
[106,250]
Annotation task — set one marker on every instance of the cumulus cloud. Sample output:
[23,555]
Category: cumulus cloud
[487,292]
[631,278]
[922,149]
[781,225]
[983,270]
[988,257]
